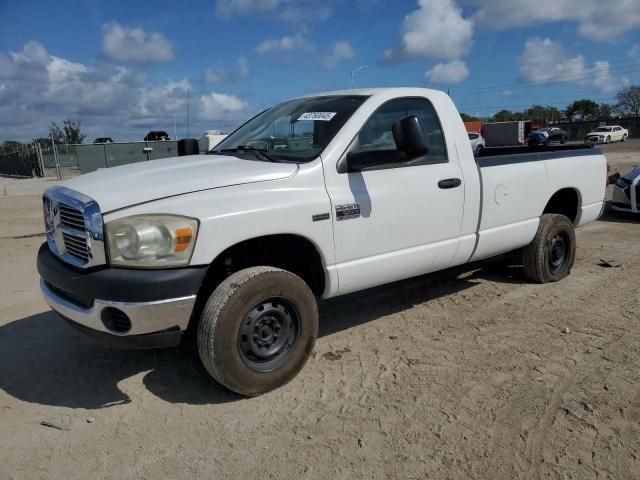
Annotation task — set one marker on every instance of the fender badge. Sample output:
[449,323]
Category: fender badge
[320,216]
[348,211]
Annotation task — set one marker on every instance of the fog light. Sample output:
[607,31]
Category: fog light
[115,320]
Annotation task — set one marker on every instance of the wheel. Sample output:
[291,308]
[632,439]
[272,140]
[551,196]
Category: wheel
[551,254]
[257,330]
[478,150]
[608,140]
[563,140]
[624,137]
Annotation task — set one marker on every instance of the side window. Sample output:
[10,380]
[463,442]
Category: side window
[377,136]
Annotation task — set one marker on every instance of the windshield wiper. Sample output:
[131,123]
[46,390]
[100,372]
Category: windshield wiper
[261,153]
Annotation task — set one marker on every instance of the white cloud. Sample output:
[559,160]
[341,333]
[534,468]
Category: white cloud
[436,30]
[340,51]
[218,106]
[283,44]
[38,88]
[134,44]
[218,74]
[452,72]
[545,61]
[294,11]
[595,19]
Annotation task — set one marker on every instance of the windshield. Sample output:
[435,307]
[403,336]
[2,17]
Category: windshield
[603,129]
[297,130]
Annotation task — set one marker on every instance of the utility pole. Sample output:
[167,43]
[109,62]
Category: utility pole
[175,130]
[188,96]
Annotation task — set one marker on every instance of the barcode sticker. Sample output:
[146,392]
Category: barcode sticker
[321,116]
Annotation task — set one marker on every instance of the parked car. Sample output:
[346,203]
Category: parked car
[314,198]
[538,138]
[156,135]
[477,142]
[103,140]
[626,192]
[607,134]
[555,134]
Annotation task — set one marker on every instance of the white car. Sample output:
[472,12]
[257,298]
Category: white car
[317,197]
[607,134]
[477,142]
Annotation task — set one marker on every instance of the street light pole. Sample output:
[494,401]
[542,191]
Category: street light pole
[353,74]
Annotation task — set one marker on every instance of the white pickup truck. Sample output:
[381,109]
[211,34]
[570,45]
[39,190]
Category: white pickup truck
[317,197]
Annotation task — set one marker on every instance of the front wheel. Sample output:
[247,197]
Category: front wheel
[258,330]
[608,140]
[624,138]
[551,254]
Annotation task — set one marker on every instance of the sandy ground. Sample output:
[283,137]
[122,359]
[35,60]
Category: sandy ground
[464,374]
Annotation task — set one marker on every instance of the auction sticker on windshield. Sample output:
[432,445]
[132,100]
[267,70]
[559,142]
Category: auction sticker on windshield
[322,116]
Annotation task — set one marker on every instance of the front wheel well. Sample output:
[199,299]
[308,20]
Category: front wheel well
[290,252]
[564,202]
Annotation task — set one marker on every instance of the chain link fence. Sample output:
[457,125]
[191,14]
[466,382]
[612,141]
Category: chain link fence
[22,164]
[35,160]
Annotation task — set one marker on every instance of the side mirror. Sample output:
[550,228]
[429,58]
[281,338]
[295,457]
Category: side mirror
[410,137]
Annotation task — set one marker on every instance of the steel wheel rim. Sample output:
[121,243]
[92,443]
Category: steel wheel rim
[268,333]
[558,252]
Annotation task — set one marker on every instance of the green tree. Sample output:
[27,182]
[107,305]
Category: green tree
[69,133]
[629,100]
[584,109]
[543,115]
[605,111]
[503,116]
[468,118]
[9,146]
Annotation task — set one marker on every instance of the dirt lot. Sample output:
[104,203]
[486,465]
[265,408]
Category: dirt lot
[465,374]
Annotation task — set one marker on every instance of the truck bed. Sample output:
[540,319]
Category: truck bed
[493,156]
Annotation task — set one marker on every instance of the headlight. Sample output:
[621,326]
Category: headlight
[151,241]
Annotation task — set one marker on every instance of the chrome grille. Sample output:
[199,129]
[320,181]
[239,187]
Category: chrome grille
[76,246]
[75,232]
[72,217]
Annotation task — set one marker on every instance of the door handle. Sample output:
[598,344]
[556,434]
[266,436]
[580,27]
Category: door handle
[449,183]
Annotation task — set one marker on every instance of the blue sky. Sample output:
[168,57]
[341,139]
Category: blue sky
[123,68]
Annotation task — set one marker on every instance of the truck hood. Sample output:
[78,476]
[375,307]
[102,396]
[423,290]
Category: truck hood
[128,185]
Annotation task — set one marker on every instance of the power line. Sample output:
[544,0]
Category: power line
[516,82]
[528,105]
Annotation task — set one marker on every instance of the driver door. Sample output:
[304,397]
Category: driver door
[401,219]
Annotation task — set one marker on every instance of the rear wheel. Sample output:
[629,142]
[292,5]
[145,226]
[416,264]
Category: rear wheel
[551,254]
[608,140]
[624,137]
[258,329]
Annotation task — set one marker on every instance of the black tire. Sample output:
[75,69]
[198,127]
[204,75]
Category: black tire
[478,150]
[279,311]
[624,138]
[563,140]
[608,140]
[552,253]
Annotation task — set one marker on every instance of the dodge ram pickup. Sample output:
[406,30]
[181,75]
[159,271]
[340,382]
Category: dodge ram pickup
[316,197]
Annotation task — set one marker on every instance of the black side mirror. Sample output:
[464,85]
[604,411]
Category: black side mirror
[410,137]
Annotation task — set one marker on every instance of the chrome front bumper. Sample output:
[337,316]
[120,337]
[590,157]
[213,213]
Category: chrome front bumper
[145,317]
